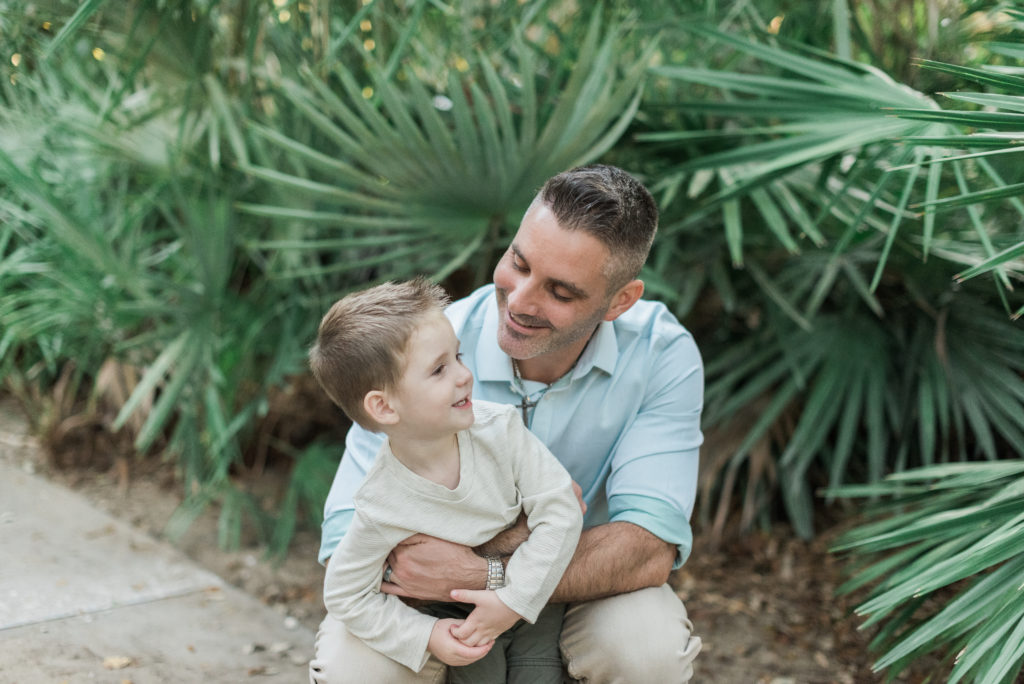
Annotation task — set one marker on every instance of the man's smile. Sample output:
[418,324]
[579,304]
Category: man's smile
[525,323]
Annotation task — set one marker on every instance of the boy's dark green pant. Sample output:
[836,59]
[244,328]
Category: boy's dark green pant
[524,654]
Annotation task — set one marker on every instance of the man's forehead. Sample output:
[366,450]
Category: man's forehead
[573,256]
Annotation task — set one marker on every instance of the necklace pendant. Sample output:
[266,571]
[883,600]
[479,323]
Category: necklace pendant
[525,405]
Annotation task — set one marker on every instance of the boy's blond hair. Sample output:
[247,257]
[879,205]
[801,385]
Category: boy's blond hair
[362,339]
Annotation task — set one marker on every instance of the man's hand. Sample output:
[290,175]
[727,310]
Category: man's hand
[450,650]
[490,618]
[429,568]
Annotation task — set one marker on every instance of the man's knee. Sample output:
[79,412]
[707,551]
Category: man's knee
[642,636]
[341,658]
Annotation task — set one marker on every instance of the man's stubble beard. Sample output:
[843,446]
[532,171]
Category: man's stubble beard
[522,347]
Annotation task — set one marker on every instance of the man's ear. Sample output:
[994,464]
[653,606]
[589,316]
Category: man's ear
[626,297]
[378,408]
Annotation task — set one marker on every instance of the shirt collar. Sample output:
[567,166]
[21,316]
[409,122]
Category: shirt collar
[601,352]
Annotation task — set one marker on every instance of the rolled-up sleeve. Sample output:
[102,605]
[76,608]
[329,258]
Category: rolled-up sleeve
[653,478]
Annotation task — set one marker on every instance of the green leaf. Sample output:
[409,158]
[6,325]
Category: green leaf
[1014,103]
[983,119]
[970,198]
[776,295]
[983,76]
[81,15]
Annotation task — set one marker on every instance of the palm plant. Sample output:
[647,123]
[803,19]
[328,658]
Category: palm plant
[386,177]
[846,320]
[120,250]
[943,558]
[954,531]
[850,204]
[183,222]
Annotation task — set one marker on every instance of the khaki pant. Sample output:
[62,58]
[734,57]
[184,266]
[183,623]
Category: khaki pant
[642,636]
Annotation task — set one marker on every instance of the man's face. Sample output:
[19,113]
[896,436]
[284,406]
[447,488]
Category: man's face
[551,289]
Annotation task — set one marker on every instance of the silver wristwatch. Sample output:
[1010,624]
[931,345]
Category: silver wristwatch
[495,573]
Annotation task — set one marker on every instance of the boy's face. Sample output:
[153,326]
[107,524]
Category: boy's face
[433,396]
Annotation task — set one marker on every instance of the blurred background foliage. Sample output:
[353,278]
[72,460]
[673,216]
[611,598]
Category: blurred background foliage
[186,185]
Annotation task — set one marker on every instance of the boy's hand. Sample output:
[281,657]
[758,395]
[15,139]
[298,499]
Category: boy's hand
[450,650]
[490,618]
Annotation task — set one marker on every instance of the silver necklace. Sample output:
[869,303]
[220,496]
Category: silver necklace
[526,404]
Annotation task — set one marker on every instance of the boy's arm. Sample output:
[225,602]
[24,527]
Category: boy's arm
[553,518]
[351,594]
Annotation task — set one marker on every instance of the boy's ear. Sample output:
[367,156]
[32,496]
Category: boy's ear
[378,407]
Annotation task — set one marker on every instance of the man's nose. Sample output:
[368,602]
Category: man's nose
[523,298]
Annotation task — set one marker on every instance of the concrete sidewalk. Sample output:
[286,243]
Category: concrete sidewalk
[86,598]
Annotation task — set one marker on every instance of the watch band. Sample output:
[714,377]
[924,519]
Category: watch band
[495,573]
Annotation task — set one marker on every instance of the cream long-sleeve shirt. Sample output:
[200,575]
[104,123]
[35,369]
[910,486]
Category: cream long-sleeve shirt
[503,469]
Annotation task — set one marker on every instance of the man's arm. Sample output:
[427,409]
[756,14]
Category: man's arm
[428,568]
[614,558]
[610,559]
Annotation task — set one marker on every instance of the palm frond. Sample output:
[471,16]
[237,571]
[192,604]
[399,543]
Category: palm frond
[404,170]
[937,526]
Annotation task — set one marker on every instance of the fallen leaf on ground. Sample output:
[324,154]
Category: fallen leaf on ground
[117,662]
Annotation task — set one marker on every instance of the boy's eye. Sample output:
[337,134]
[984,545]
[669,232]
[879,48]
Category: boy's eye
[438,370]
[458,357]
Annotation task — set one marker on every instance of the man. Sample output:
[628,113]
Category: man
[613,385]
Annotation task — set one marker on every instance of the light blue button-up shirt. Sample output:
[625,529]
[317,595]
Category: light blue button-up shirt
[625,421]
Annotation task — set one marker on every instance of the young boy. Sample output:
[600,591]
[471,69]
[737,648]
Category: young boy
[389,358]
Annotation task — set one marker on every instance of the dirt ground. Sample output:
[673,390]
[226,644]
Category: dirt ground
[763,604]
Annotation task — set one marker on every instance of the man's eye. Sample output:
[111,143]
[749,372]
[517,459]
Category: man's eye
[517,264]
[561,297]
